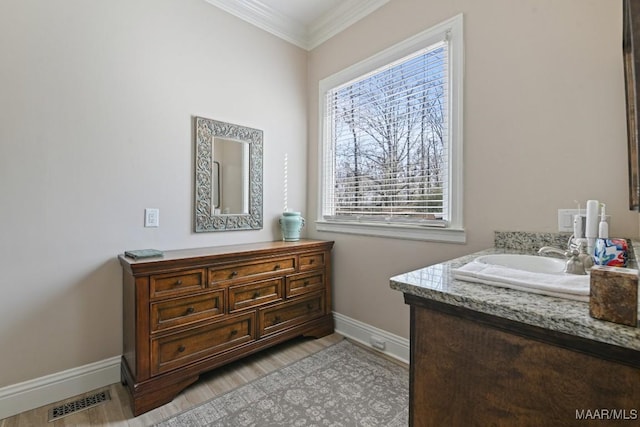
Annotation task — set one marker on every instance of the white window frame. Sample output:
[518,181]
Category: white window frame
[454,231]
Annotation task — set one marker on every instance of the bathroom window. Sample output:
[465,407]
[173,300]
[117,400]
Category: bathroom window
[391,137]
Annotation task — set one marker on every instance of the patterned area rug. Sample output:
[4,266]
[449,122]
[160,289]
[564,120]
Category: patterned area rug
[342,385]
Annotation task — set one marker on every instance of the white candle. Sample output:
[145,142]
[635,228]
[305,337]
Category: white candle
[577,226]
[285,182]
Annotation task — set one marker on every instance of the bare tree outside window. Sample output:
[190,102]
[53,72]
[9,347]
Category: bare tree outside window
[390,142]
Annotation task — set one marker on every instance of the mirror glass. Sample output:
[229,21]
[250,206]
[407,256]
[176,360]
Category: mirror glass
[228,176]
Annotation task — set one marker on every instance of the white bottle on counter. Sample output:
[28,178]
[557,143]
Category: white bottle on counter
[603,227]
[591,229]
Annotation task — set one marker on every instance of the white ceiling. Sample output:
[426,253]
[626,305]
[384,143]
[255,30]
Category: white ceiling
[303,11]
[305,23]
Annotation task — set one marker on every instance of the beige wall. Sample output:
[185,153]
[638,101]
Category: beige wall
[95,106]
[544,125]
[96,100]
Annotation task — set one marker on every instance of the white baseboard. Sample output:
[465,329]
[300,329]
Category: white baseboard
[42,391]
[395,346]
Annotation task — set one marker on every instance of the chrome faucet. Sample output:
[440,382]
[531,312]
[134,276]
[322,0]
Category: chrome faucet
[581,246]
[574,264]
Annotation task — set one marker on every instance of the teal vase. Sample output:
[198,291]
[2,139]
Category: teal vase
[291,224]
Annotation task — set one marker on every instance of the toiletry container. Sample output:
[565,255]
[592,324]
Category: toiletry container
[610,252]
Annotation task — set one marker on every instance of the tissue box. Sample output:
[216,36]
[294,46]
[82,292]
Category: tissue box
[614,295]
[611,252]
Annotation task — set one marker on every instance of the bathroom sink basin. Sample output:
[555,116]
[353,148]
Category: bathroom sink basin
[529,273]
[530,263]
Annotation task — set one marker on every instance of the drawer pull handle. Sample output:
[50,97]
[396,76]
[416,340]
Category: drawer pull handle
[256,295]
[234,273]
[190,310]
[311,261]
[276,320]
[181,348]
[306,283]
[234,332]
[277,267]
[310,306]
[178,282]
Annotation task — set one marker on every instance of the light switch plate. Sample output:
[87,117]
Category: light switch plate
[565,219]
[152,217]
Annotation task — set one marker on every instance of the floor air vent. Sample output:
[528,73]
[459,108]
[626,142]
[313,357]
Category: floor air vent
[78,405]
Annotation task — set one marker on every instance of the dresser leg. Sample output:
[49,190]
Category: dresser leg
[158,395]
[150,394]
[323,327]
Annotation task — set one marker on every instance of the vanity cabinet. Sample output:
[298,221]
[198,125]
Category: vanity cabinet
[475,369]
[194,310]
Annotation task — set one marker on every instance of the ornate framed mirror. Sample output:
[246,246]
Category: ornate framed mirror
[228,176]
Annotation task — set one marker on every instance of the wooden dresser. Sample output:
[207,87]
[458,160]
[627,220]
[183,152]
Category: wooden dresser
[196,309]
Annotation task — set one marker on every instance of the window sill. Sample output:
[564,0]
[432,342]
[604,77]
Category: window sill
[395,231]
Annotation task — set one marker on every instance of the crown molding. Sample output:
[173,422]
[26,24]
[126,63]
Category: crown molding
[348,13]
[306,37]
[264,17]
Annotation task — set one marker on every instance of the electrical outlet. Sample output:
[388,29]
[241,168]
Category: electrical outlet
[377,342]
[565,219]
[152,217]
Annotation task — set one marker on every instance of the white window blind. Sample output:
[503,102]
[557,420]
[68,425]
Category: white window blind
[386,156]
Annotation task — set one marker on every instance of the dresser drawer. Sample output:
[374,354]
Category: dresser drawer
[289,314]
[250,270]
[312,261]
[181,311]
[304,283]
[172,351]
[255,294]
[171,284]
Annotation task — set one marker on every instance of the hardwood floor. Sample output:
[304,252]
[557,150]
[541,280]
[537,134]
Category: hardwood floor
[117,411]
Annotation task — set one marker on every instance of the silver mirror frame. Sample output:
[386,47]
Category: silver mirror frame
[206,130]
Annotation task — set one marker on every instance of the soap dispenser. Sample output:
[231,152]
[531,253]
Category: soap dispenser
[605,251]
[603,227]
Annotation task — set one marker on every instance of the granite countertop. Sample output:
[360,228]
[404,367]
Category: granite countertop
[437,283]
